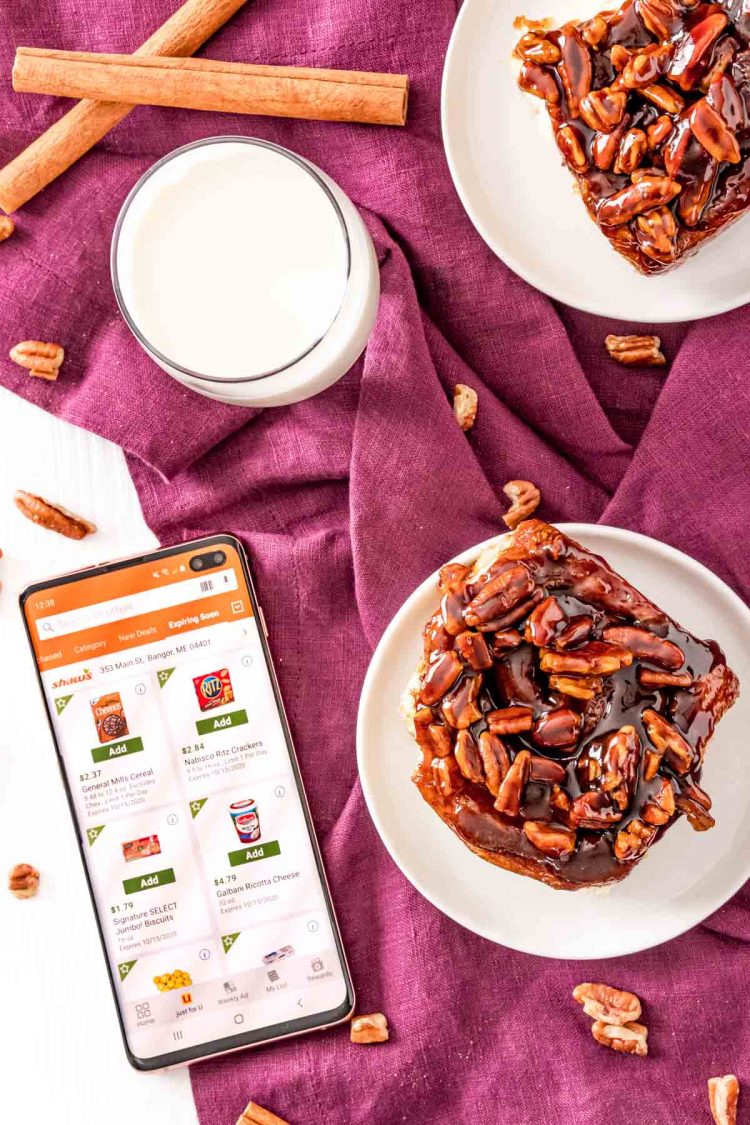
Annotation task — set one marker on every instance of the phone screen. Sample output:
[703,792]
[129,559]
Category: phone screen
[194,830]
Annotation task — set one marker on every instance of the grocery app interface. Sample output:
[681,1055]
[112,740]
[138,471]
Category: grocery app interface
[193,830]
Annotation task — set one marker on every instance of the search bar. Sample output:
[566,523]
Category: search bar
[119,609]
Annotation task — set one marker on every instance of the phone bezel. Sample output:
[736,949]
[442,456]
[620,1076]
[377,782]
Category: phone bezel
[318,1021]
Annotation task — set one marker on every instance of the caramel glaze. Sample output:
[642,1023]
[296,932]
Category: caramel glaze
[582,583]
[729,195]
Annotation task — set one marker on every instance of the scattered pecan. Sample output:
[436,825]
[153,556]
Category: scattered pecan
[723,1096]
[551,839]
[436,638]
[543,621]
[539,82]
[646,646]
[7,226]
[651,762]
[629,1038]
[41,360]
[459,707]
[574,67]
[577,687]
[525,498]
[370,1029]
[635,351]
[254,1114]
[465,403]
[633,148]
[52,516]
[440,738]
[495,760]
[509,720]
[668,740]
[23,881]
[597,658]
[712,132]
[451,578]
[557,728]
[467,756]
[695,803]
[603,110]
[473,648]
[633,840]
[446,775]
[536,49]
[440,676]
[509,795]
[648,678]
[571,146]
[660,806]
[606,1004]
[657,234]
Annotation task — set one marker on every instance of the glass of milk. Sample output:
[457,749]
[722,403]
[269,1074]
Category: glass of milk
[245,272]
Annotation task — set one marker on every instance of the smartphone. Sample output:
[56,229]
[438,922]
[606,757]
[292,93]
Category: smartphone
[201,860]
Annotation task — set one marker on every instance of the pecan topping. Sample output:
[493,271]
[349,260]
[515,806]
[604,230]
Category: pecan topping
[595,31]
[452,577]
[539,82]
[603,110]
[254,1114]
[452,613]
[459,707]
[661,17]
[41,360]
[629,1038]
[633,148]
[645,66]
[509,795]
[712,132]
[465,405]
[633,200]
[543,622]
[635,351]
[619,56]
[473,648]
[646,646]
[663,97]
[499,595]
[657,232]
[525,498]
[467,756]
[723,1096]
[23,881]
[504,640]
[509,720]
[594,810]
[693,51]
[7,226]
[446,775]
[608,1005]
[597,658]
[52,516]
[440,677]
[724,97]
[633,840]
[660,806]
[557,728]
[370,1029]
[696,195]
[668,740]
[604,146]
[536,49]
[495,760]
[649,678]
[659,131]
[695,803]
[575,632]
[574,67]
[551,839]
[440,738]
[571,146]
[545,769]
[577,687]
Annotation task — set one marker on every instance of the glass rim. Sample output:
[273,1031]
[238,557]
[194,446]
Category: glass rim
[145,343]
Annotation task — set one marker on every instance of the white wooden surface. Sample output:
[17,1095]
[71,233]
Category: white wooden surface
[61,1057]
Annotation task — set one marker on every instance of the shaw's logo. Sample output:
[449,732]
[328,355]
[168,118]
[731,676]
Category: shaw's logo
[66,681]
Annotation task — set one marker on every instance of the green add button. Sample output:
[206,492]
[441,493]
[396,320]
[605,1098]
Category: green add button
[148,882]
[117,749]
[253,853]
[221,722]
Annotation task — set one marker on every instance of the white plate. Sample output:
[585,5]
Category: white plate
[683,879]
[508,173]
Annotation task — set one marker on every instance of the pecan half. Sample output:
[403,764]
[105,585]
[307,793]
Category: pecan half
[7,226]
[594,810]
[603,110]
[693,50]
[536,49]
[446,775]
[545,769]
[661,17]
[525,498]
[473,648]
[452,613]
[635,351]
[696,195]
[606,1004]
[535,80]
[695,803]
[41,360]
[645,645]
[663,97]
[23,881]
[465,403]
[504,640]
[460,707]
[723,1096]
[634,199]
[668,740]
[509,720]
[594,31]
[52,516]
[543,622]
[571,146]
[440,677]
[657,236]
[495,760]
[574,67]
[675,149]
[645,67]
[467,756]
[557,728]
[634,840]
[604,146]
[712,132]
[633,148]
[441,740]
[619,57]
[508,800]
[254,1114]
[659,131]
[575,632]
[369,1029]
[660,806]
[452,577]
[628,1038]
[648,678]
[551,839]
[499,595]
[724,97]
[597,658]
[577,687]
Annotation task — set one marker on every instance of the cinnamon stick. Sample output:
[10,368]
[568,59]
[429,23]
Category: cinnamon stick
[73,135]
[278,91]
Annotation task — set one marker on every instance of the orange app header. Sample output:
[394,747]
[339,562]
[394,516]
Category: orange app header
[134,605]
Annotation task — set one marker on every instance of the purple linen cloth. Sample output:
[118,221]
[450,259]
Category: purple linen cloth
[349,500]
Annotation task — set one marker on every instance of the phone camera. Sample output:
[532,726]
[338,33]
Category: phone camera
[196,563]
[207,560]
[219,558]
